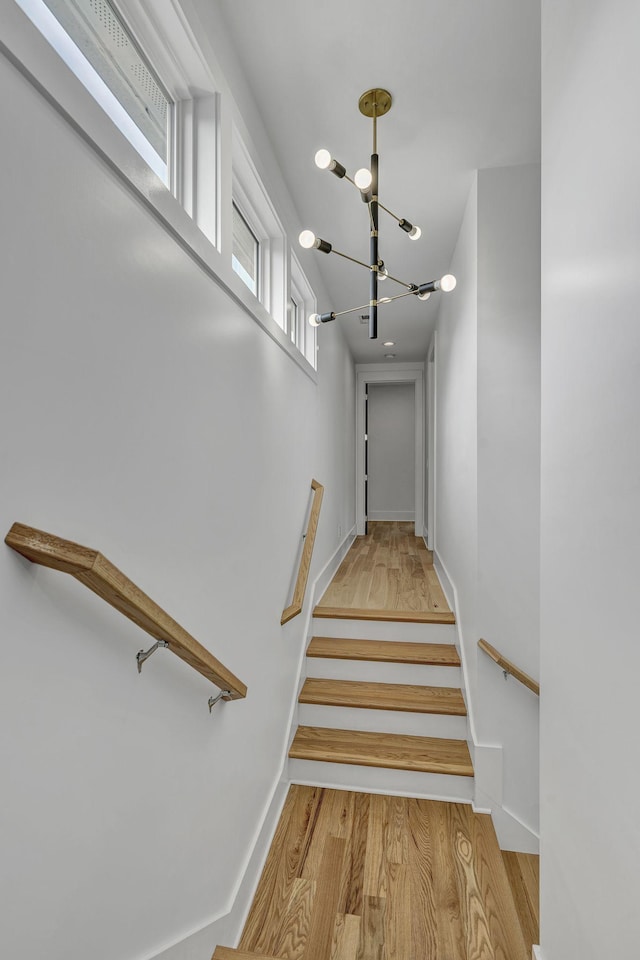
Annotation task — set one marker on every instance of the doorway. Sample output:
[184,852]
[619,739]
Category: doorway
[377,497]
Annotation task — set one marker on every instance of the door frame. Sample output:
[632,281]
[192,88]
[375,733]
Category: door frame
[431,374]
[391,373]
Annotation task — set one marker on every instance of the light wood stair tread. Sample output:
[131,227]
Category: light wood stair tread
[396,616]
[230,953]
[391,750]
[385,651]
[405,697]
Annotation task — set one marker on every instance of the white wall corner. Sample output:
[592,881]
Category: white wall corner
[445,582]
[512,833]
[487,767]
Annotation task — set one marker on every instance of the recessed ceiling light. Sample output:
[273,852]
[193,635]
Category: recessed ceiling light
[389,343]
[390,356]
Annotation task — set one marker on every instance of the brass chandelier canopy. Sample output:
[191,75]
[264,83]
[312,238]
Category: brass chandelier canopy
[373,103]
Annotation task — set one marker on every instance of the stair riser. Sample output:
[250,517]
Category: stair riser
[385,630]
[378,672]
[383,721]
[349,776]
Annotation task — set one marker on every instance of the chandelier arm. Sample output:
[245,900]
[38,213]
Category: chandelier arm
[390,212]
[401,282]
[353,259]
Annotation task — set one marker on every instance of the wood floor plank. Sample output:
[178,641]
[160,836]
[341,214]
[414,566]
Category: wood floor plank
[450,933]
[371,945]
[398,911]
[346,937]
[352,879]
[375,877]
[323,918]
[395,751]
[420,866]
[290,938]
[403,697]
[385,651]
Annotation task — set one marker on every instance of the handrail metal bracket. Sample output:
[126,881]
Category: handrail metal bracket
[143,655]
[223,695]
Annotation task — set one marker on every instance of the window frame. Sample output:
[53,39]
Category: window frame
[196,209]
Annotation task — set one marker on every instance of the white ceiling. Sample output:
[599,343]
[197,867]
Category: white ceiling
[464,76]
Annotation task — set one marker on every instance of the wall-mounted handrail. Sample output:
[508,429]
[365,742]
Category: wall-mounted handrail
[509,667]
[307,551]
[96,572]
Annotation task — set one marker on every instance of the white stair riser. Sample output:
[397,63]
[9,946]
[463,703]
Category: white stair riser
[382,721]
[385,630]
[435,786]
[377,672]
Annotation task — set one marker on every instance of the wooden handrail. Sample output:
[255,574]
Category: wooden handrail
[509,667]
[96,572]
[305,560]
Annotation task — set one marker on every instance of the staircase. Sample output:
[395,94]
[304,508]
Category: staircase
[381,708]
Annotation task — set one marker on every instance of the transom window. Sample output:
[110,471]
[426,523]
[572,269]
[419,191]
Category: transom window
[245,256]
[98,47]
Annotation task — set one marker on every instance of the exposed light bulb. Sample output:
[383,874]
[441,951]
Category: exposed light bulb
[384,300]
[415,233]
[314,319]
[389,343]
[423,296]
[307,239]
[447,283]
[363,178]
[323,159]
[383,273]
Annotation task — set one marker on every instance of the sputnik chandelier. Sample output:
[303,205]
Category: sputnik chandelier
[373,104]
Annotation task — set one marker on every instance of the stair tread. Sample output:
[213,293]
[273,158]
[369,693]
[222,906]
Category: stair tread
[405,697]
[230,953]
[391,750]
[398,616]
[385,651]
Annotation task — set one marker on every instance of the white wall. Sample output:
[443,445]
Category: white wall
[391,451]
[487,478]
[456,431]
[509,471]
[590,656]
[144,413]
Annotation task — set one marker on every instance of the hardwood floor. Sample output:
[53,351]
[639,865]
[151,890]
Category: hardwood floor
[355,876]
[388,570]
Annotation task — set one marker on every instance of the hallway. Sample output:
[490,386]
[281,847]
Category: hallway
[389,570]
